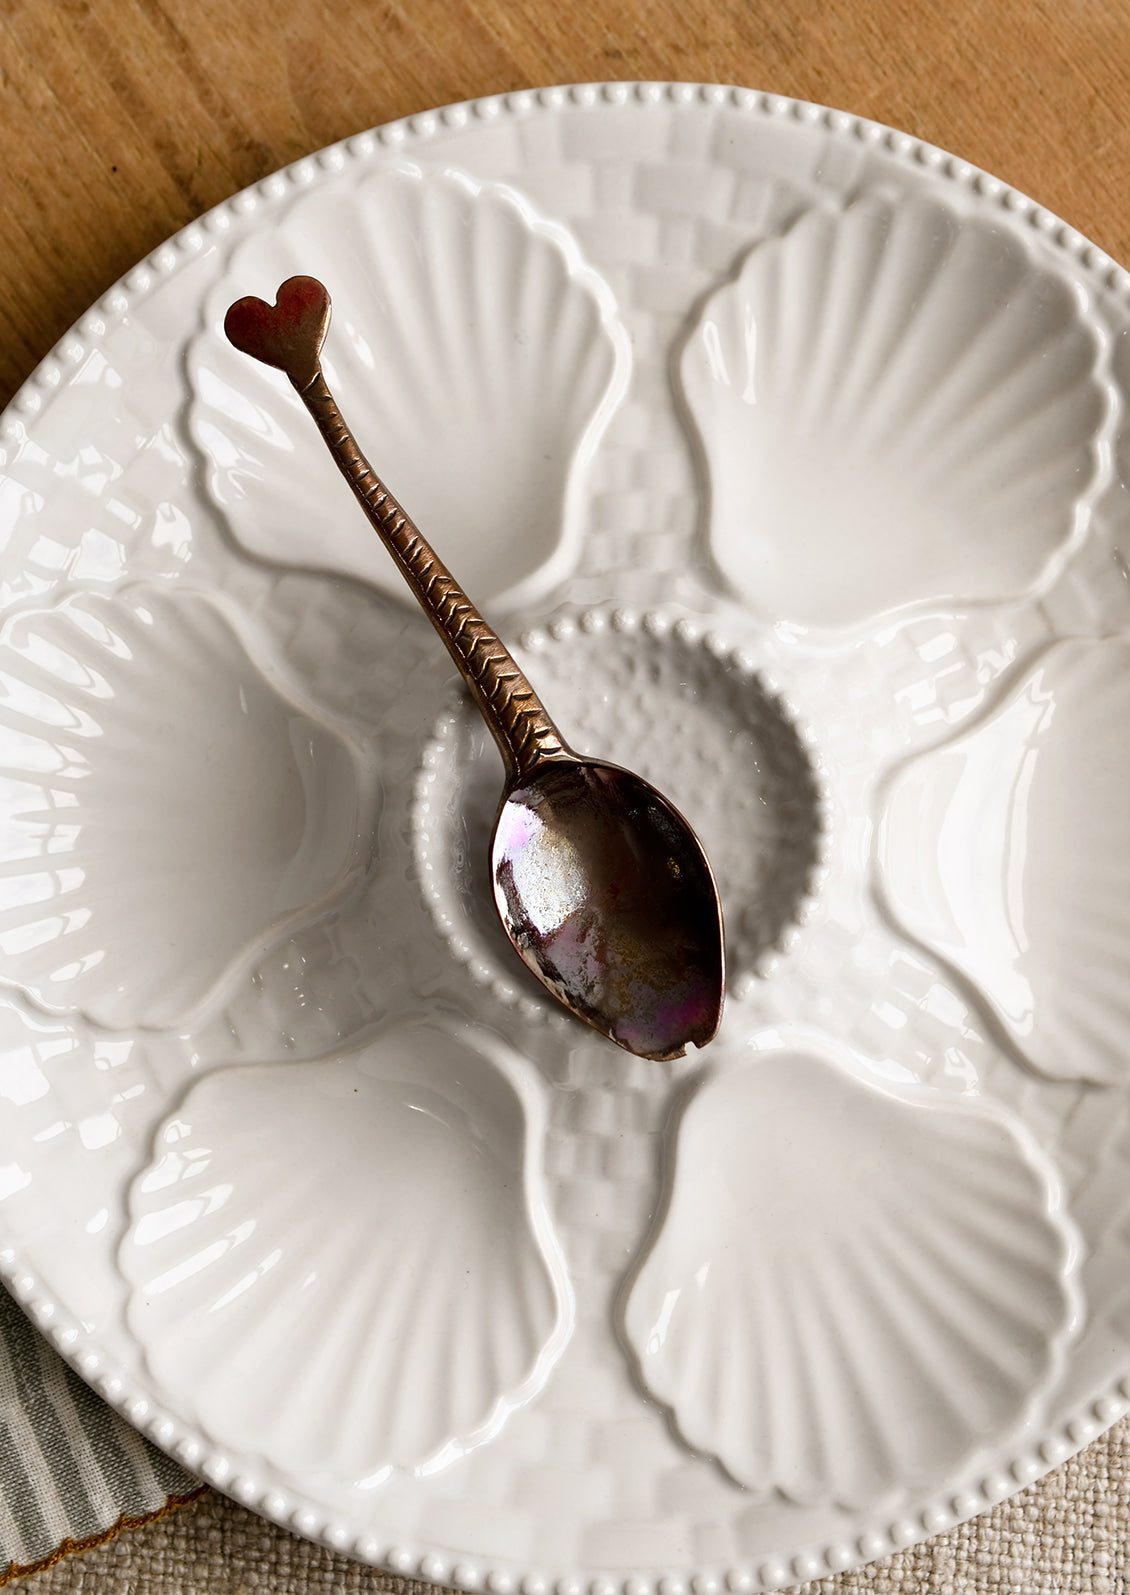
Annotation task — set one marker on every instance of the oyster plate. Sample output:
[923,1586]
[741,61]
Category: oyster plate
[641,1352]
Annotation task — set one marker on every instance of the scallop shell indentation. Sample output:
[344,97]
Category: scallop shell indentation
[897,405]
[347,1266]
[166,808]
[476,356]
[852,1286]
[1005,851]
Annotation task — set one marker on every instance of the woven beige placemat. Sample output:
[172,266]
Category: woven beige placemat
[1069,1534]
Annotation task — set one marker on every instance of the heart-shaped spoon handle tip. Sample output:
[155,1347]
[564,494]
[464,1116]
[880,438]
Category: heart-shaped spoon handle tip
[288,334]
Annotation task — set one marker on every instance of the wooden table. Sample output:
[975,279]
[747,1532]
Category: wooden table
[122,120]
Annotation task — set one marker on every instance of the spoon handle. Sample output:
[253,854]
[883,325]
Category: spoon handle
[525,734]
[289,335]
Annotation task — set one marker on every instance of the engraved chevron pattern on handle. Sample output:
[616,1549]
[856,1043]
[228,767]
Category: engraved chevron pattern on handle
[525,734]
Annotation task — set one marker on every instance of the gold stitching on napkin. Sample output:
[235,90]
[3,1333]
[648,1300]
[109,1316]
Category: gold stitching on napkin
[68,1546]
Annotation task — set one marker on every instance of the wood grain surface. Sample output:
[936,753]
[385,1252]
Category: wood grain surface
[124,119]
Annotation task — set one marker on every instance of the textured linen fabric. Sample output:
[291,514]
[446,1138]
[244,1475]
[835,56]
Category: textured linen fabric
[1069,1534]
[70,1468]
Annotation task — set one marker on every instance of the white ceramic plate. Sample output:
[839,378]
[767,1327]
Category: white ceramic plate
[785,450]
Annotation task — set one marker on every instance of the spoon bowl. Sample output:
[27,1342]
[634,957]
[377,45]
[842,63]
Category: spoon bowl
[600,883]
[604,891]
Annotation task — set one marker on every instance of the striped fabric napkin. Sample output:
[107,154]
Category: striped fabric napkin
[70,1468]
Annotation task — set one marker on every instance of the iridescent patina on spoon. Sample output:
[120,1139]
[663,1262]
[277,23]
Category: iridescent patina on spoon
[601,885]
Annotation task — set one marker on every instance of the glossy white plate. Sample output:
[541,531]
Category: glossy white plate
[786,452]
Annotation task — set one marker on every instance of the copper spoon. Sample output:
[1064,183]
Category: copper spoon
[600,883]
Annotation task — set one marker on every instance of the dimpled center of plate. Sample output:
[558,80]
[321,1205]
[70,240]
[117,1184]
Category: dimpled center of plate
[699,725]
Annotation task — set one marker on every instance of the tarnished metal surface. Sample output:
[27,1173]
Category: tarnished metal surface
[602,886]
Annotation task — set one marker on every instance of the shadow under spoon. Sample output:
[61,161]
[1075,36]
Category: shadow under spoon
[601,885]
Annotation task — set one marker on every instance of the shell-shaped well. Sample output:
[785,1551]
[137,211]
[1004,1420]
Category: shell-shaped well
[854,1288]
[475,355]
[1006,851]
[347,1266]
[896,405]
[168,805]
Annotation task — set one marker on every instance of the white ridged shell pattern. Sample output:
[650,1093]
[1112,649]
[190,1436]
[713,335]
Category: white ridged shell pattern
[896,405]
[347,1265]
[853,1284]
[474,354]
